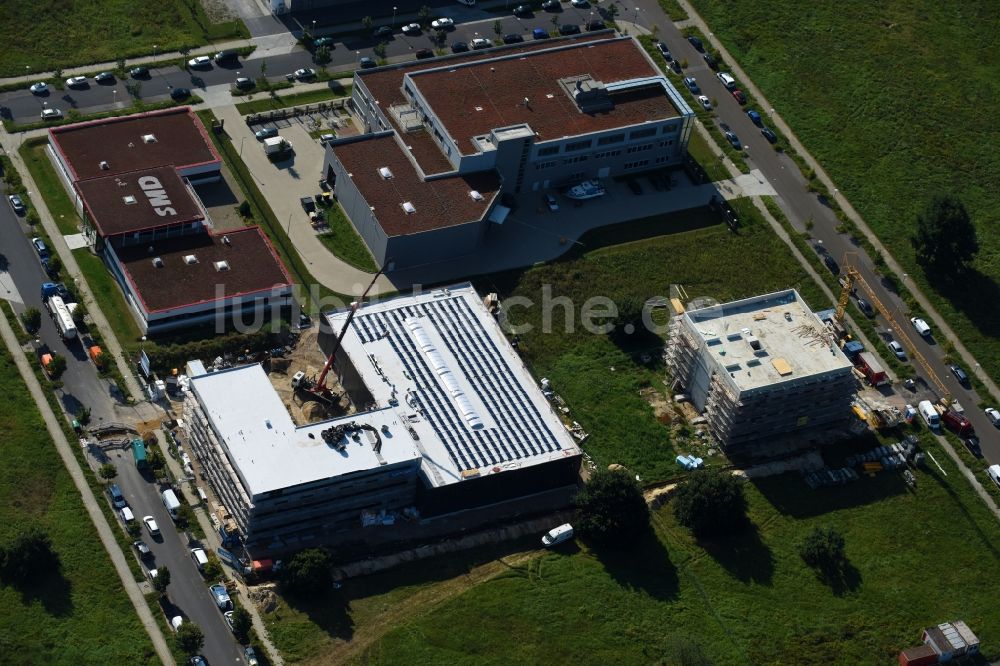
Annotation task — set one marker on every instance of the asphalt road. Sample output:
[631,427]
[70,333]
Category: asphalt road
[22,270]
[188,592]
[25,107]
[800,205]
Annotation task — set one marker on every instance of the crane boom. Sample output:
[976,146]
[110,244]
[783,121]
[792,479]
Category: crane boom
[320,386]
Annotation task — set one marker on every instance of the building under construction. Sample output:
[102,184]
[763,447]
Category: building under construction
[765,371]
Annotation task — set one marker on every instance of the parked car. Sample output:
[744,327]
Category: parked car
[305,73]
[265,133]
[539,33]
[769,134]
[972,443]
[244,83]
[595,24]
[691,84]
[959,374]
[730,135]
[897,349]
[39,88]
[551,202]
[180,93]
[696,43]
[921,326]
[459,47]
[524,11]
[105,77]
[675,67]
[198,660]
[221,597]
[512,38]
[710,60]
[139,72]
[411,29]
[151,526]
[993,415]
[705,102]
[443,24]
[367,63]
[557,535]
[250,657]
[76,82]
[50,113]
[727,80]
[579,3]
[664,51]
[127,516]
[229,620]
[866,308]
[832,264]
[200,62]
[569,29]
[552,6]
[176,622]
[739,96]
[231,56]
[755,118]
[423,54]
[16,204]
[480,43]
[142,549]
[382,32]
[40,248]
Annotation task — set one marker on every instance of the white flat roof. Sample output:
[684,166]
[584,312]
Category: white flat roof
[441,357]
[792,341]
[268,450]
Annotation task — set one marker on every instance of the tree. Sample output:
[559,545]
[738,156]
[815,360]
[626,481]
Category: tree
[79,314]
[263,68]
[711,503]
[823,549]
[368,22]
[242,622]
[379,50]
[612,11]
[32,218]
[55,265]
[190,639]
[185,51]
[308,572]
[322,55]
[611,508]
[56,367]
[424,16]
[162,580]
[108,471]
[28,555]
[554,21]
[945,238]
[498,27]
[32,318]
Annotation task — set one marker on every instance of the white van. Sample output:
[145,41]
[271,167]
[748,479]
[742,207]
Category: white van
[929,414]
[727,79]
[557,535]
[170,501]
[994,473]
[200,558]
[921,326]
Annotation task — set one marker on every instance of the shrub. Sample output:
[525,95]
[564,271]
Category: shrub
[711,503]
[611,507]
[823,549]
[32,318]
[108,471]
[308,573]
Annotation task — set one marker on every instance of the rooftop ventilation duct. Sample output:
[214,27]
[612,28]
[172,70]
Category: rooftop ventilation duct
[158,262]
[104,165]
[129,199]
[226,241]
[476,196]
[385,172]
[190,259]
[409,208]
[149,138]
[221,266]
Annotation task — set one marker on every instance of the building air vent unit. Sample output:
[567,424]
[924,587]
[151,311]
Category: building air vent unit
[385,172]
[409,208]
[149,138]
[104,165]
[158,262]
[476,196]
[129,199]
[226,241]
[190,259]
[754,342]
[222,266]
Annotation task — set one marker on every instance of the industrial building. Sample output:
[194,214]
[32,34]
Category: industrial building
[444,138]
[765,371]
[450,422]
[132,180]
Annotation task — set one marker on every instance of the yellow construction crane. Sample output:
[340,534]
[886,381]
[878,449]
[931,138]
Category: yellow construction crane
[853,277]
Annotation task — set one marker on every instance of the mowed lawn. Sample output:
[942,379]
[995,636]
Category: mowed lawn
[79,615]
[600,376]
[922,558]
[72,32]
[893,99]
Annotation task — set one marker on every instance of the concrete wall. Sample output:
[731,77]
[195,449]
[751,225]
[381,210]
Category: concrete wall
[433,246]
[356,208]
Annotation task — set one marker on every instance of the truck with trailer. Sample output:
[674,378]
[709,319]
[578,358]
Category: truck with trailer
[58,302]
[869,366]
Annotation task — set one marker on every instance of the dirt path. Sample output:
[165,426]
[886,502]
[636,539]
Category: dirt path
[420,604]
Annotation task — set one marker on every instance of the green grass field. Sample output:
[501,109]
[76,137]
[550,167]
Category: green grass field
[897,116]
[921,558]
[267,103]
[344,242]
[80,615]
[599,376]
[80,33]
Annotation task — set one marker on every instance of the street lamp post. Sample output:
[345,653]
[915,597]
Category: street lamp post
[115,91]
[154,50]
[394,17]
[27,72]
